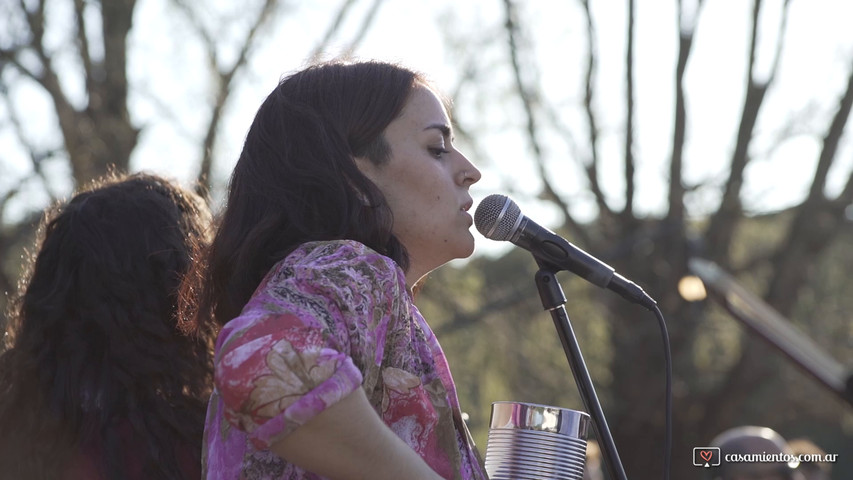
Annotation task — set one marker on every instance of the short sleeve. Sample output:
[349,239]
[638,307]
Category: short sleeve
[305,339]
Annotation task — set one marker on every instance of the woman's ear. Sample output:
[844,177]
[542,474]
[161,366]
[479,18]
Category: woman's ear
[362,162]
[367,167]
[364,166]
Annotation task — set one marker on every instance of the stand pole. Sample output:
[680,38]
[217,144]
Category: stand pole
[554,300]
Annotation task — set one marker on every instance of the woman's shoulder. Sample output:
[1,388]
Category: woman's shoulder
[334,266]
[341,255]
[326,280]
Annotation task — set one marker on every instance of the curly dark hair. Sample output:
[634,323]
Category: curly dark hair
[97,378]
[297,181]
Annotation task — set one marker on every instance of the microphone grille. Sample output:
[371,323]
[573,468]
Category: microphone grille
[497,217]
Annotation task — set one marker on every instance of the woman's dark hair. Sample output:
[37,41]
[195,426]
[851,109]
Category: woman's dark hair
[297,181]
[97,375]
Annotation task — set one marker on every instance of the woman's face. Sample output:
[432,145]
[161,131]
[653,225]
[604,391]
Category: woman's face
[426,183]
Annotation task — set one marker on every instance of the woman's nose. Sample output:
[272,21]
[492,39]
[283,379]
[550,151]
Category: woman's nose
[470,174]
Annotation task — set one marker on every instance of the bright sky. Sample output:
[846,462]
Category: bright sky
[168,72]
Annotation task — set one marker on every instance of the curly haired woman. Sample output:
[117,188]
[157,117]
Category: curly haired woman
[97,381]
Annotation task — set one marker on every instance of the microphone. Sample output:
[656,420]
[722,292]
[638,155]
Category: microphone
[499,218]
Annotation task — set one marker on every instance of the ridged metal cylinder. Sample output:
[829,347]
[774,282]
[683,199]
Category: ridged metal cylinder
[528,441]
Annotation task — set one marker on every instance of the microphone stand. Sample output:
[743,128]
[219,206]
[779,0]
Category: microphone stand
[553,300]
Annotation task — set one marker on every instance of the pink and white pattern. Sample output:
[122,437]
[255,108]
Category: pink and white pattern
[330,318]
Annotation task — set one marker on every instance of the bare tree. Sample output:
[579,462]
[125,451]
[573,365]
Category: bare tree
[656,249]
[223,74]
[104,108]
[95,130]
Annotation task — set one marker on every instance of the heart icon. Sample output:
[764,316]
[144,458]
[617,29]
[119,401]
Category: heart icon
[706,455]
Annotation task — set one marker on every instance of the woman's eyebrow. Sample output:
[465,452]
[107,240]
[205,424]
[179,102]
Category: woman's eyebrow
[442,127]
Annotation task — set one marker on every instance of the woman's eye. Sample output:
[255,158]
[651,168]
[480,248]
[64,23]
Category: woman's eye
[438,152]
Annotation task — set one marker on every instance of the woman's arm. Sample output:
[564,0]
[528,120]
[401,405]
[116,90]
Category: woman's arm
[348,441]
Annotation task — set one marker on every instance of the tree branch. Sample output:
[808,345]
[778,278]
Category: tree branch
[83,45]
[343,11]
[35,20]
[725,220]
[831,141]
[70,120]
[200,30]
[532,128]
[847,194]
[108,102]
[9,56]
[628,210]
[780,45]
[36,156]
[366,23]
[676,181]
[224,78]
[817,221]
[592,165]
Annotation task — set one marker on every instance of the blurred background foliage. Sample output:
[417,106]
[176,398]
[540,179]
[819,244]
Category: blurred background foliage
[504,346]
[86,85]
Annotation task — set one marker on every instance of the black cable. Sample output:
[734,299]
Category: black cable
[667,444]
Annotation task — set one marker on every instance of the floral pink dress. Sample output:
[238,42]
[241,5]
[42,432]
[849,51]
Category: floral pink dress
[330,318]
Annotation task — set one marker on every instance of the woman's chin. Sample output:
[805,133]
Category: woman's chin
[467,249]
